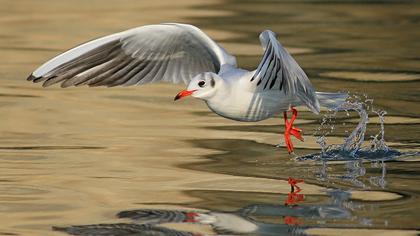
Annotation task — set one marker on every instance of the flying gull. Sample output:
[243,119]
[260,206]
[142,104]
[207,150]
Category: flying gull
[181,53]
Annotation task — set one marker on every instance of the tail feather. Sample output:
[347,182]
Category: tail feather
[331,100]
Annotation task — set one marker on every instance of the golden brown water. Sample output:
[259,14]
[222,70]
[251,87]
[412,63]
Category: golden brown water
[78,156]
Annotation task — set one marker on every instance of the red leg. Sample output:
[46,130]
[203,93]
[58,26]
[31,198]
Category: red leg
[287,140]
[191,217]
[293,184]
[291,220]
[294,197]
[291,130]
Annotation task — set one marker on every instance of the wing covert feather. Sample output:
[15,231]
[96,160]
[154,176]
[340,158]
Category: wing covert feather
[165,52]
[278,70]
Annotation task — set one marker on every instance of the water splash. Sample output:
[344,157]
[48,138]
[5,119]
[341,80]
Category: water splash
[378,141]
[354,150]
[353,146]
[379,181]
[354,141]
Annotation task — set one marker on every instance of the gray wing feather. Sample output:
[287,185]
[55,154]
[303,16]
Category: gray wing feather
[278,70]
[165,52]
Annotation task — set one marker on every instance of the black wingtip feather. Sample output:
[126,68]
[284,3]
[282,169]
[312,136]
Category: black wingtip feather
[39,79]
[57,228]
[35,79]
[31,77]
[125,214]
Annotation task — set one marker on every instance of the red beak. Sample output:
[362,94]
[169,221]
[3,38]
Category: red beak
[184,93]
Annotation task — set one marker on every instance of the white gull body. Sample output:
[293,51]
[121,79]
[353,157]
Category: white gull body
[235,99]
[183,53]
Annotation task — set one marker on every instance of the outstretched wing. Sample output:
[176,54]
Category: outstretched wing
[279,71]
[165,52]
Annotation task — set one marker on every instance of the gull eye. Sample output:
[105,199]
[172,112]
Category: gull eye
[201,84]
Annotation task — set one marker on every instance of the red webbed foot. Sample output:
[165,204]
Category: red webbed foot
[293,184]
[291,130]
[294,197]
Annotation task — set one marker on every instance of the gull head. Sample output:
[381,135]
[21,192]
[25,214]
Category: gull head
[202,86]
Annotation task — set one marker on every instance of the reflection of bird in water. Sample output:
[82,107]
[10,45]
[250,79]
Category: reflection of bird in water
[220,221]
[183,53]
[294,197]
[243,221]
[122,230]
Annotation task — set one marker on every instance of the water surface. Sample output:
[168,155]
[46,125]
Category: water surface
[79,156]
